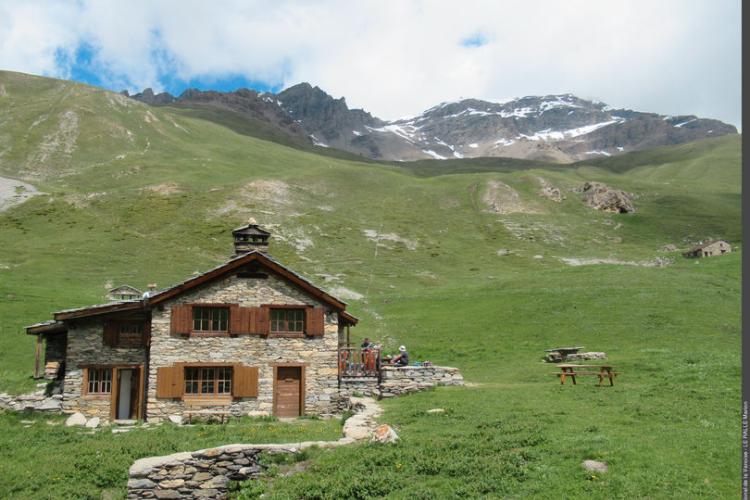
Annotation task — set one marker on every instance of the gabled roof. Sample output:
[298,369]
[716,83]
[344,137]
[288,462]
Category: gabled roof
[239,262]
[129,288]
[215,273]
[251,229]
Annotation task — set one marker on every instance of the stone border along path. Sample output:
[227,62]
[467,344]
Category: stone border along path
[207,473]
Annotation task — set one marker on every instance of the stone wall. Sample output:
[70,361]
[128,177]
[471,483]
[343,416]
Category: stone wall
[318,354]
[207,473]
[403,380]
[397,380]
[86,347]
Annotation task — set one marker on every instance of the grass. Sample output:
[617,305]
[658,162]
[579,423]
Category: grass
[433,279]
[54,461]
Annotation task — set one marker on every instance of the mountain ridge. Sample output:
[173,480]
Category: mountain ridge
[561,128]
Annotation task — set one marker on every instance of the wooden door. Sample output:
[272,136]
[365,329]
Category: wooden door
[288,397]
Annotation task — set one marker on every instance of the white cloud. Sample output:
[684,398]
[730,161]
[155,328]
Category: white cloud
[398,58]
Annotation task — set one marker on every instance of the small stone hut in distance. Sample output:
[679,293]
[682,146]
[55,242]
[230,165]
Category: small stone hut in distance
[709,249]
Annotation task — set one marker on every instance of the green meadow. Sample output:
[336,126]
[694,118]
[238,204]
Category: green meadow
[424,256]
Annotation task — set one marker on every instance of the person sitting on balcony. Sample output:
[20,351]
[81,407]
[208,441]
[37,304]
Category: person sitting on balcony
[366,344]
[402,359]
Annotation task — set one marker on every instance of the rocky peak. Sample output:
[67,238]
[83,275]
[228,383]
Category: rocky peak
[149,97]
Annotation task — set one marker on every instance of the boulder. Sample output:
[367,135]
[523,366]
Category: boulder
[602,197]
[93,423]
[595,466]
[384,434]
[75,419]
[175,419]
[436,410]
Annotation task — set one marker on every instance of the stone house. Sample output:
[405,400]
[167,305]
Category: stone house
[709,249]
[247,337]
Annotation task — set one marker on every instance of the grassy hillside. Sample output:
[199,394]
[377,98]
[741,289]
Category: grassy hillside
[134,194]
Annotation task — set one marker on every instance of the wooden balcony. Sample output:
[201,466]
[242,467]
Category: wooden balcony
[355,362]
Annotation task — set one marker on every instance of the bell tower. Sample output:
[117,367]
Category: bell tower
[250,237]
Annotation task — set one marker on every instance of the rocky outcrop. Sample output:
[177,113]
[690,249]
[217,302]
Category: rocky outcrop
[549,191]
[602,197]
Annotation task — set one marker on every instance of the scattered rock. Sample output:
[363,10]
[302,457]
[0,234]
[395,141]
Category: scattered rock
[176,419]
[595,466]
[602,197]
[120,431]
[75,419]
[384,434]
[549,191]
[93,423]
[436,410]
[668,248]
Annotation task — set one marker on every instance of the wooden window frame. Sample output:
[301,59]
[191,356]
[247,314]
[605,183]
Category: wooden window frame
[87,379]
[215,395]
[209,333]
[143,328]
[287,334]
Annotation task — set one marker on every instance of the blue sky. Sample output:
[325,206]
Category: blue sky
[394,58]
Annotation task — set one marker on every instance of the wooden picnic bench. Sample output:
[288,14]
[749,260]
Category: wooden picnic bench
[601,371]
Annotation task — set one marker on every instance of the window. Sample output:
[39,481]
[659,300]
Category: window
[130,335]
[210,319]
[99,381]
[208,381]
[287,321]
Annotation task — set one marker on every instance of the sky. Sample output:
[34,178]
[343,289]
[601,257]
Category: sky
[394,58]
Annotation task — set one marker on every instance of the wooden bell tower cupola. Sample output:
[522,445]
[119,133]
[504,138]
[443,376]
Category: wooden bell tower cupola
[250,237]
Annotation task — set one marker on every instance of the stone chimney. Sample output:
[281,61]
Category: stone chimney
[250,237]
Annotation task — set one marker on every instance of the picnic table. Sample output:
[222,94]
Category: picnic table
[601,371]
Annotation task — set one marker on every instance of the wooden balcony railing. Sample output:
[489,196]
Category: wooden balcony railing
[354,362]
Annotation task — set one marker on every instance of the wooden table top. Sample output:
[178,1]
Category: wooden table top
[585,366]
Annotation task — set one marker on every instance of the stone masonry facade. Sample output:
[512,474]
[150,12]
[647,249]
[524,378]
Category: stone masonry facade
[318,355]
[86,348]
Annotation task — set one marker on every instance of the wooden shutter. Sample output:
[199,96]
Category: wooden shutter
[263,322]
[170,381]
[314,321]
[244,381]
[242,320]
[182,319]
[111,330]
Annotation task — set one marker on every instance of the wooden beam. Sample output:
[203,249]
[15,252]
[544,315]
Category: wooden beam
[37,357]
